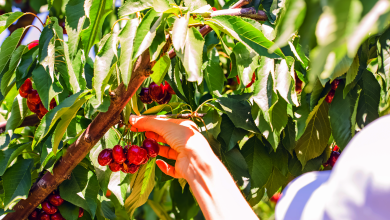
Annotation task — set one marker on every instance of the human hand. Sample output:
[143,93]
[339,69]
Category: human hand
[187,146]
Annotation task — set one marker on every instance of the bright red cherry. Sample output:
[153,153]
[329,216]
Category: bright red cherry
[238,80]
[156,92]
[129,168]
[151,146]
[55,199]
[34,214]
[56,216]
[42,109]
[44,216]
[336,148]
[335,84]
[168,88]
[136,155]
[48,208]
[145,160]
[144,96]
[81,212]
[105,157]
[330,96]
[118,154]
[34,98]
[253,80]
[275,198]
[333,158]
[108,193]
[34,108]
[26,88]
[133,168]
[33,44]
[166,99]
[114,166]
[213,8]
[53,103]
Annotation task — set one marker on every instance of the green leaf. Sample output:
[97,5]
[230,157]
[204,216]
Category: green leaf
[47,87]
[159,210]
[236,164]
[285,82]
[193,55]
[340,114]
[280,160]
[66,118]
[194,4]
[316,136]
[259,165]
[230,134]
[133,6]
[352,72]
[50,119]
[14,61]
[18,112]
[8,47]
[384,57]
[126,38]
[158,43]
[239,113]
[47,49]
[69,211]
[166,107]
[278,115]
[75,81]
[103,68]
[184,206]
[9,153]
[74,21]
[96,11]
[289,136]
[275,181]
[160,69]
[213,75]
[9,18]
[246,62]
[142,186]
[369,99]
[17,182]
[213,123]
[246,33]
[179,32]
[146,32]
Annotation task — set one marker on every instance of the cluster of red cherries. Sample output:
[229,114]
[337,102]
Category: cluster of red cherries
[161,94]
[49,209]
[333,157]
[330,96]
[129,158]
[34,102]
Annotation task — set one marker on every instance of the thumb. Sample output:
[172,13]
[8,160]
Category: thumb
[167,169]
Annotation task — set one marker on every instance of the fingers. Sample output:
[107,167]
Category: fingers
[167,169]
[158,138]
[147,123]
[167,152]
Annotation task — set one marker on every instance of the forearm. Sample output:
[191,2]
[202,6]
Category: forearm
[216,192]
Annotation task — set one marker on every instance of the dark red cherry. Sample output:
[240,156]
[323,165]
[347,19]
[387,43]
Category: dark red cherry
[330,96]
[151,146]
[166,99]
[55,199]
[118,154]
[34,108]
[34,214]
[48,208]
[34,98]
[105,157]
[56,216]
[156,92]
[144,96]
[336,148]
[44,216]
[26,88]
[114,166]
[145,160]
[42,109]
[333,158]
[81,212]
[168,88]
[33,44]
[335,84]
[136,155]
[133,168]
[53,103]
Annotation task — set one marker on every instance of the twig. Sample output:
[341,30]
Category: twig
[242,12]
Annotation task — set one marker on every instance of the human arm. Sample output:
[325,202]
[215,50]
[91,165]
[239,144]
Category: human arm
[211,183]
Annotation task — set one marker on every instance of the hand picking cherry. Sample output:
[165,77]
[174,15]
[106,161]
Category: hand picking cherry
[114,166]
[151,146]
[105,157]
[34,98]
[156,92]
[81,212]
[26,88]
[55,199]
[48,208]
[136,155]
[144,96]
[118,154]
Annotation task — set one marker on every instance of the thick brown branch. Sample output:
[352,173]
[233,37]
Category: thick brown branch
[242,12]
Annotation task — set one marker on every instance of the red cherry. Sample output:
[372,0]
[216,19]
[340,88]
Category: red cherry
[48,208]
[34,108]
[145,160]
[330,96]
[34,98]
[156,92]
[136,155]
[275,198]
[118,155]
[108,193]
[168,88]
[144,96]
[26,88]
[42,109]
[335,84]
[336,148]
[151,146]
[253,80]
[333,158]
[105,157]
[33,44]
[34,214]
[55,199]
[53,103]
[44,216]
[213,8]
[238,80]
[81,212]
[114,166]
[165,100]
[129,168]
[56,216]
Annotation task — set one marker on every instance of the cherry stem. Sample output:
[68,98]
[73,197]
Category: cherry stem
[29,13]
[112,28]
[33,26]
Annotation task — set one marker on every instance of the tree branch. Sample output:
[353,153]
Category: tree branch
[31,120]
[242,12]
